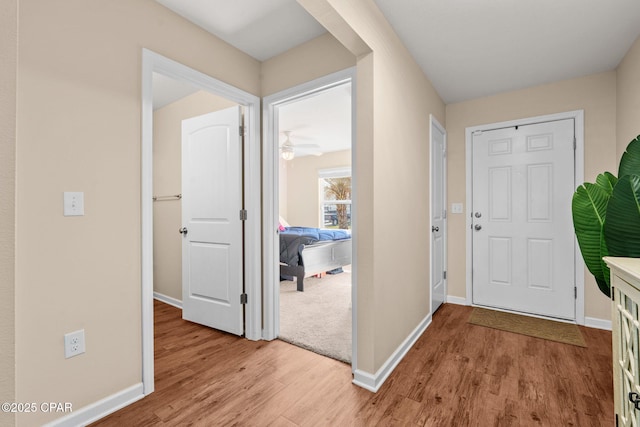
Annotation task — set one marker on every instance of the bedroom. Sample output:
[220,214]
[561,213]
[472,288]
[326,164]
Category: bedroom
[315,194]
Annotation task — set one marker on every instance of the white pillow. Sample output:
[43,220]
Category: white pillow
[283,222]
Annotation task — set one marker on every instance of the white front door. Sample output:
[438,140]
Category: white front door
[523,242]
[212,260]
[438,214]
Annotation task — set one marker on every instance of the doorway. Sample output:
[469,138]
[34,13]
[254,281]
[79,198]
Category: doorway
[154,63]
[315,195]
[276,144]
[521,246]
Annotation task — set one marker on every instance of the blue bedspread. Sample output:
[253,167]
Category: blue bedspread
[294,239]
[318,233]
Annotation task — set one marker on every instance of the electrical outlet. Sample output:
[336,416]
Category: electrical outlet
[74,343]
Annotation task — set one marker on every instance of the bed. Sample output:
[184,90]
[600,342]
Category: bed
[306,251]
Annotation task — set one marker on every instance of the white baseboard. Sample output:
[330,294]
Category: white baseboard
[168,300]
[100,409]
[456,300]
[374,382]
[596,323]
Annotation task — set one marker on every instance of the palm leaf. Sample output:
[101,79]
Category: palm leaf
[604,285]
[618,201]
[630,161]
[607,181]
[589,208]
[622,227]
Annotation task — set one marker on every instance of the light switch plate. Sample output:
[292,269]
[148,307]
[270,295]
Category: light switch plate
[73,203]
[456,208]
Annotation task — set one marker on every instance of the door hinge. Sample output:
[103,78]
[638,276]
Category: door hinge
[575,292]
[243,214]
[444,213]
[243,298]
[444,275]
[575,143]
[241,129]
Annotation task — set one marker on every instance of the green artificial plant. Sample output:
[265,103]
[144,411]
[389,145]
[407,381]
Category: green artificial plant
[606,216]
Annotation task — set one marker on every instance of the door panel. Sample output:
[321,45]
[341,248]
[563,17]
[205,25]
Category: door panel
[500,261]
[540,263]
[523,244]
[212,272]
[500,194]
[209,260]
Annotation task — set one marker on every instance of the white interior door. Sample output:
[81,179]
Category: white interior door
[212,267]
[438,214]
[523,244]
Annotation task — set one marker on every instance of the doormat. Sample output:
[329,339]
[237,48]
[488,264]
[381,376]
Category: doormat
[567,333]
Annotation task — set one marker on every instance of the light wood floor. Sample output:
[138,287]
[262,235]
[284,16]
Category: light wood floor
[457,374]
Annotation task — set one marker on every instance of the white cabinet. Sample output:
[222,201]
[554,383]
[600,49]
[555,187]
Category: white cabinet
[625,288]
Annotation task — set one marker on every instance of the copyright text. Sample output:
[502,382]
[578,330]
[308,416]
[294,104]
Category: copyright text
[54,407]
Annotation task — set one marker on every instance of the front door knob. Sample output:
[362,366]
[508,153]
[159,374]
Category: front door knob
[183,230]
[435,229]
[478,227]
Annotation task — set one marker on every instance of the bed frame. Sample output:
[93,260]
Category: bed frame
[317,258]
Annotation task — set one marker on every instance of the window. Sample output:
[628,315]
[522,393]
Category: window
[335,198]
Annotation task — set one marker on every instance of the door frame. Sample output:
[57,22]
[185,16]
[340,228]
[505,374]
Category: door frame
[578,117]
[154,62]
[434,122]
[270,199]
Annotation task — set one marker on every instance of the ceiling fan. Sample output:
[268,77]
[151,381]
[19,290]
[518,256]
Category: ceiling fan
[288,150]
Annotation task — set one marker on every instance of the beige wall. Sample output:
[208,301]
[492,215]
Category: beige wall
[628,98]
[394,100]
[316,58]
[283,195]
[8,68]
[303,202]
[595,94]
[79,103]
[167,180]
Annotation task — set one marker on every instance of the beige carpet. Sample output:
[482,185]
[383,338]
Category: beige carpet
[567,333]
[318,319]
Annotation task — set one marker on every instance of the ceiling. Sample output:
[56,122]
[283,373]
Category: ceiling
[167,90]
[475,48]
[261,28]
[467,48]
[323,119]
